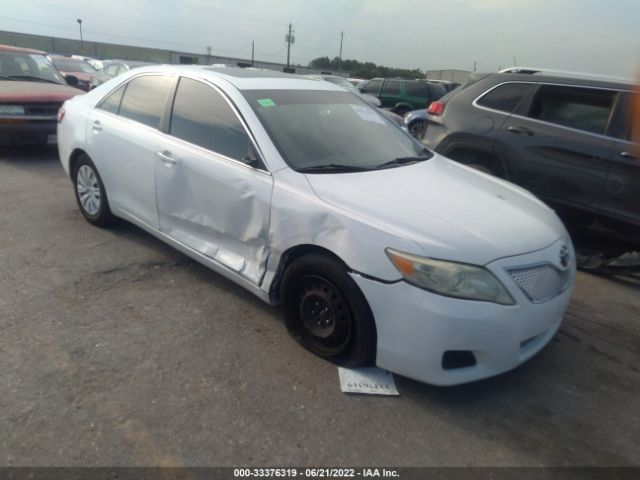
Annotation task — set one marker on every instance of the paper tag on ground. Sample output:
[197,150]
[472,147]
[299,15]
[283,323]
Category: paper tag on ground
[367,380]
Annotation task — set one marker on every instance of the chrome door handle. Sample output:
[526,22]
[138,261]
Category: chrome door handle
[628,155]
[166,158]
[96,125]
[520,130]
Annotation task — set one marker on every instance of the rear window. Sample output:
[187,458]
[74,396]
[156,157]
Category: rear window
[506,97]
[145,99]
[580,108]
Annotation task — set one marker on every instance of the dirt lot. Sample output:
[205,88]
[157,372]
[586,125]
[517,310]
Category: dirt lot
[117,350]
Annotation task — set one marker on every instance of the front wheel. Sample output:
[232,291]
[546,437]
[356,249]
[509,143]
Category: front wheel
[90,193]
[326,311]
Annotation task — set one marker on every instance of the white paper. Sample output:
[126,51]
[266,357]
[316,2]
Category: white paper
[373,381]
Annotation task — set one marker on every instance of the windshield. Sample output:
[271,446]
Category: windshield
[31,67]
[73,66]
[332,129]
[341,82]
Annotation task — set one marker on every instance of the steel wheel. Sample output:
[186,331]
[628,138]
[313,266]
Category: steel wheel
[88,189]
[326,318]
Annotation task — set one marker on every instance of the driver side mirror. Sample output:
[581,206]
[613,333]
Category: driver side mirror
[72,80]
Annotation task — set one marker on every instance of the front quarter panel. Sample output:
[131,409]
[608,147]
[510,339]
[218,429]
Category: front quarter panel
[299,217]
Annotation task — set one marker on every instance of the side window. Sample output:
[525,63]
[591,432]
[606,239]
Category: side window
[145,99]
[582,108]
[373,87]
[203,117]
[111,104]
[505,97]
[391,87]
[111,70]
[417,89]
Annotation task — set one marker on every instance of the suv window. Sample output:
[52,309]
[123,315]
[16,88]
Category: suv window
[203,117]
[145,99]
[111,104]
[373,87]
[582,108]
[391,87]
[417,89]
[505,97]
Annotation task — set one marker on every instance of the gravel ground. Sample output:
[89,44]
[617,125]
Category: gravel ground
[117,350]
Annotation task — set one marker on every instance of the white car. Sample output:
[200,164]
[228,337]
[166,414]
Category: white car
[378,249]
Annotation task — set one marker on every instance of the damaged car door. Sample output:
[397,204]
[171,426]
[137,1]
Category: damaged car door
[213,191]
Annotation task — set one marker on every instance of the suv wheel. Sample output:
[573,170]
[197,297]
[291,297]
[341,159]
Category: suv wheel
[401,110]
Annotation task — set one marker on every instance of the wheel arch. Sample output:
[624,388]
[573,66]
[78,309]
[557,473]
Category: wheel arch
[292,254]
[73,160]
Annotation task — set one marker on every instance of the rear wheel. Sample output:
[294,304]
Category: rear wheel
[416,128]
[90,193]
[401,110]
[326,311]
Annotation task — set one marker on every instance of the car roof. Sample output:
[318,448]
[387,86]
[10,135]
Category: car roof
[11,48]
[585,81]
[65,57]
[246,78]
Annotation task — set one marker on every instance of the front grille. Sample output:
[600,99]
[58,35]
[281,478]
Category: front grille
[541,282]
[42,108]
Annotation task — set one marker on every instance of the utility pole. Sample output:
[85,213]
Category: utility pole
[515,62]
[289,38]
[474,65]
[208,55]
[253,45]
[340,57]
[79,20]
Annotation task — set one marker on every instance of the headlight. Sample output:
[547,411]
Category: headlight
[452,279]
[11,110]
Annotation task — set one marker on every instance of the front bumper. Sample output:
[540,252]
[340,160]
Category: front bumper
[28,132]
[415,327]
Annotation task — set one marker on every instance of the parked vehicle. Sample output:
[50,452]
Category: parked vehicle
[377,249]
[78,68]
[94,62]
[31,92]
[402,96]
[113,68]
[564,137]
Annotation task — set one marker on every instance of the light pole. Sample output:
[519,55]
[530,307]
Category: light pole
[340,57]
[81,42]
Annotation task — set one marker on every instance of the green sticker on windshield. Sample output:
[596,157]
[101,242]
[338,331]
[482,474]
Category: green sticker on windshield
[266,102]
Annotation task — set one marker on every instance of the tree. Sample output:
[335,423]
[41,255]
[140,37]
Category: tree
[364,70]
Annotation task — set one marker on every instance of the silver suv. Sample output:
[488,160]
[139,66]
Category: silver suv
[566,138]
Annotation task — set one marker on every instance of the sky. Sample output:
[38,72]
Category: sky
[594,36]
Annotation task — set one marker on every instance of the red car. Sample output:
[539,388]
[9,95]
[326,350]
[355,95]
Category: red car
[80,69]
[31,92]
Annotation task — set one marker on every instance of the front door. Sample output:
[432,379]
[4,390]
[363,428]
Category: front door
[556,144]
[213,193]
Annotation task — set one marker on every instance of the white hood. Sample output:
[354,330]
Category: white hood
[451,211]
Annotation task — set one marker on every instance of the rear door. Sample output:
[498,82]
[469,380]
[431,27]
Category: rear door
[556,145]
[122,135]
[213,191]
[391,93]
[621,200]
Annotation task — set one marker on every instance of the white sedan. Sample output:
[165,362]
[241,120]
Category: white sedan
[379,250]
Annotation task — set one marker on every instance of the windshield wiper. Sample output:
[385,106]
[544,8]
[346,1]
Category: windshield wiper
[396,162]
[4,77]
[31,77]
[333,167]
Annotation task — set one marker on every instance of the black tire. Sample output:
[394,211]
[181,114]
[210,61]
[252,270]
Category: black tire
[100,216]
[416,128]
[326,311]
